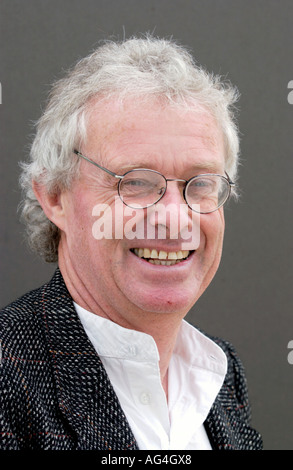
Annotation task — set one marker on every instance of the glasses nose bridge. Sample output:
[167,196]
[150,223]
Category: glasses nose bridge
[177,180]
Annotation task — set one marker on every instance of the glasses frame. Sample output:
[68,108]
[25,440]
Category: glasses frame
[120,177]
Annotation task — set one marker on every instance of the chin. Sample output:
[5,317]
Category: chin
[161,300]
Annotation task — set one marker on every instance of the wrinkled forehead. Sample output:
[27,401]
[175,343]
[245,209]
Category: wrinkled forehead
[116,127]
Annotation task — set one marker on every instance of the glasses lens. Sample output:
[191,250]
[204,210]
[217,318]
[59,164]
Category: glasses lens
[142,188]
[208,191]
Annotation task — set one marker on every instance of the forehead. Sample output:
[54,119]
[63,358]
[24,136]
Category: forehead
[149,134]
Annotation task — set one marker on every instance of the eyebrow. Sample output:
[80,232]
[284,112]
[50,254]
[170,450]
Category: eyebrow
[211,166]
[132,166]
[207,167]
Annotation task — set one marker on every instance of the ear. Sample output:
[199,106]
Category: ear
[51,204]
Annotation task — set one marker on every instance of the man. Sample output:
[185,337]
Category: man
[131,165]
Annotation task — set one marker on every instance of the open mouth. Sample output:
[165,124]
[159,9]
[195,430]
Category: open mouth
[161,257]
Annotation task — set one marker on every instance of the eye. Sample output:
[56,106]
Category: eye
[135,182]
[136,187]
[201,184]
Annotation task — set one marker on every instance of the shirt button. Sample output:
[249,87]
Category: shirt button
[145,398]
[132,350]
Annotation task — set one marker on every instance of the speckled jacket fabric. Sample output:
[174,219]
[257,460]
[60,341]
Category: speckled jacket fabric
[56,395]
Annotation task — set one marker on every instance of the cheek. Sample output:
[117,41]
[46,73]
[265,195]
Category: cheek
[77,220]
[212,228]
[117,221]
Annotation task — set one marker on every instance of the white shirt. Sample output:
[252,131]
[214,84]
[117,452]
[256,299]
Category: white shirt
[195,375]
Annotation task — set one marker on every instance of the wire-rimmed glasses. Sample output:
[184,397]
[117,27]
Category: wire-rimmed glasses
[142,187]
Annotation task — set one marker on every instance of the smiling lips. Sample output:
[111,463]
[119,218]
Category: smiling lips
[161,257]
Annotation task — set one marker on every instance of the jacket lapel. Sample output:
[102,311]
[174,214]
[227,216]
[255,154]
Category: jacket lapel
[218,428]
[86,397]
[227,430]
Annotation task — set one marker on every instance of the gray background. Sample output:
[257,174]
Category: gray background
[250,42]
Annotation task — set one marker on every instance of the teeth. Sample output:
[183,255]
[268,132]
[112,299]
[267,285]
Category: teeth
[164,263]
[161,257]
[146,253]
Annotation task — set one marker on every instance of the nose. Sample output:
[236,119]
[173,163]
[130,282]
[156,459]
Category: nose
[170,217]
[174,192]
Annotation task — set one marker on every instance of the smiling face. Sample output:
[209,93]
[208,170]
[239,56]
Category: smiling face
[124,278]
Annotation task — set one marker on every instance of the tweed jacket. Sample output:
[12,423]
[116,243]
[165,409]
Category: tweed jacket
[55,393]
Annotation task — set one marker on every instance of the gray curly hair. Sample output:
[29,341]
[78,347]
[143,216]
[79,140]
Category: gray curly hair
[142,67]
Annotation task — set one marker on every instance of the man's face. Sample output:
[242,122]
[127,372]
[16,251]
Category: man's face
[177,144]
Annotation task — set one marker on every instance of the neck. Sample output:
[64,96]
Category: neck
[163,327]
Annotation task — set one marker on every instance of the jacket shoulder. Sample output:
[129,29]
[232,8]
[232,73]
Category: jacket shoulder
[27,388]
[19,322]
[21,309]
[26,313]
[22,338]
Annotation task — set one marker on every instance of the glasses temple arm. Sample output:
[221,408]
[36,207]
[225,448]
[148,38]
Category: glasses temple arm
[229,179]
[96,164]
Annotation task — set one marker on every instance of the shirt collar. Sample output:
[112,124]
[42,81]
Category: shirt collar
[197,350]
[112,340]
